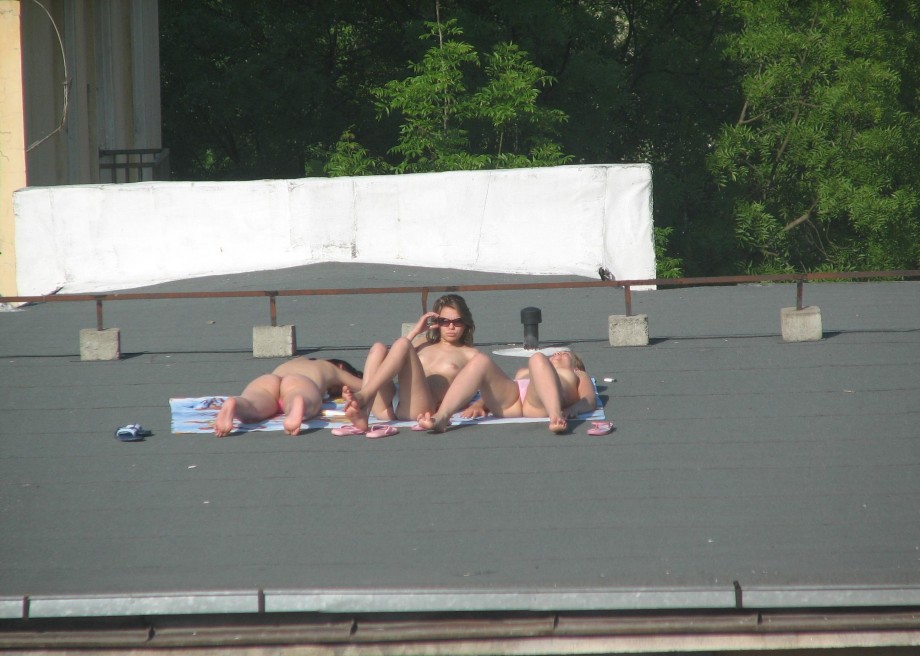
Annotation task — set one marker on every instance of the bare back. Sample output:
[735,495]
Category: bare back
[323,373]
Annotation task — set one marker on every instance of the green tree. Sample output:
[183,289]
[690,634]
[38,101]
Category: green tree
[822,163]
[258,89]
[444,125]
[641,81]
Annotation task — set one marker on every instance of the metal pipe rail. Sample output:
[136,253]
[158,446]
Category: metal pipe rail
[799,278]
[476,634]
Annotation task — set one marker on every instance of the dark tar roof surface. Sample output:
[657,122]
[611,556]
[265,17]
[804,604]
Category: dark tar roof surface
[743,469]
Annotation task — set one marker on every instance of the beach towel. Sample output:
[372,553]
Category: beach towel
[197,415]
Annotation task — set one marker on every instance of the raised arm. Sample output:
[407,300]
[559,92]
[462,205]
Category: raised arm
[342,377]
[417,334]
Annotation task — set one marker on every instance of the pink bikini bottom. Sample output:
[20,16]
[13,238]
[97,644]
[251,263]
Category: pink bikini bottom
[523,384]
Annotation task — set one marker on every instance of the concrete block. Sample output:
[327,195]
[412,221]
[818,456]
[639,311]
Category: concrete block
[626,330]
[100,344]
[273,341]
[801,325]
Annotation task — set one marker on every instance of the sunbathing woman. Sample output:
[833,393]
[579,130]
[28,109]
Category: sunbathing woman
[425,364]
[295,388]
[556,387]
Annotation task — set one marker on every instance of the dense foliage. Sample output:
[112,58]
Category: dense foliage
[782,134]
[821,164]
[447,127]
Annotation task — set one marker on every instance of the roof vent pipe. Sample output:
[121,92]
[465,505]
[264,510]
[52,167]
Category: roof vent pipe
[531,318]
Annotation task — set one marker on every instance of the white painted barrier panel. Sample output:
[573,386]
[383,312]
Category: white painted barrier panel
[556,220]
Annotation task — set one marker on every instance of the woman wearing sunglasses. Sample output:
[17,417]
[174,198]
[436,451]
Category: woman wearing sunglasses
[424,362]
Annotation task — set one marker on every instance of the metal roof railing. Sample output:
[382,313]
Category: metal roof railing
[626,285]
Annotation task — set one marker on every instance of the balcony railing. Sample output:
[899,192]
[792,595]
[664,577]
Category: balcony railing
[626,285]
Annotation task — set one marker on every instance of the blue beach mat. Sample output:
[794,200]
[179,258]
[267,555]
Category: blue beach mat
[197,415]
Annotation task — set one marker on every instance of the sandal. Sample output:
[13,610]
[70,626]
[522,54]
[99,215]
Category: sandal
[599,428]
[132,433]
[381,430]
[347,430]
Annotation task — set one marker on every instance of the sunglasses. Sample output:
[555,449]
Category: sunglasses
[445,322]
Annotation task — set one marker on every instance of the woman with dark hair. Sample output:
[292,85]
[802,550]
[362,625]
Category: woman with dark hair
[296,388]
[424,362]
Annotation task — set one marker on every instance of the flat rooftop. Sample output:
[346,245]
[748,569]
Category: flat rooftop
[744,472]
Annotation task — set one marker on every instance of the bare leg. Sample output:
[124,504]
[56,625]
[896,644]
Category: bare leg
[544,396]
[382,402]
[356,413]
[293,414]
[393,364]
[434,422]
[302,399]
[258,401]
[415,395]
[223,425]
[499,392]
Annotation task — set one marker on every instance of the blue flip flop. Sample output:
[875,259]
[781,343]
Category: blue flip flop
[132,433]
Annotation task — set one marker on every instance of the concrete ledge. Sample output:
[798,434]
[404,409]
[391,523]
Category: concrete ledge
[100,344]
[801,325]
[273,341]
[388,600]
[626,330]
[166,603]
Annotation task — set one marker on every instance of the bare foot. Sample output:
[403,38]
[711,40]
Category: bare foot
[223,425]
[558,425]
[428,422]
[293,418]
[356,413]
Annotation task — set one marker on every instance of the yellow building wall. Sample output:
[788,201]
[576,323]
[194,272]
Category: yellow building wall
[105,53]
[12,139]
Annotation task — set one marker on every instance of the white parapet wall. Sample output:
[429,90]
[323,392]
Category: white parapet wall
[556,220]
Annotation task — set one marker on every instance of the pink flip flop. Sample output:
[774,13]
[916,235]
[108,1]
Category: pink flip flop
[418,427]
[381,430]
[599,428]
[347,430]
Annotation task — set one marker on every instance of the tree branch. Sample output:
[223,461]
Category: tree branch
[802,219]
[782,148]
[753,119]
[741,119]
